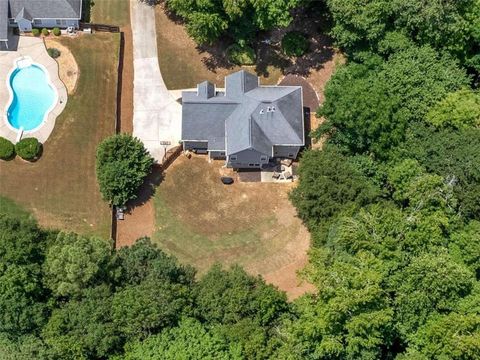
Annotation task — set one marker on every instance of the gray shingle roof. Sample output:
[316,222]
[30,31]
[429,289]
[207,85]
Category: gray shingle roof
[44,9]
[23,14]
[249,116]
[3,20]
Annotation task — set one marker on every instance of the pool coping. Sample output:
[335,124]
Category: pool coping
[26,133]
[34,48]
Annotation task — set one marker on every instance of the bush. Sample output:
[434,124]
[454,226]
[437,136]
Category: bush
[294,44]
[7,150]
[35,32]
[45,32]
[241,55]
[122,165]
[54,53]
[56,31]
[28,148]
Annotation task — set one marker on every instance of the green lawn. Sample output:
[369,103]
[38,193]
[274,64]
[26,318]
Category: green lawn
[9,207]
[61,188]
[111,12]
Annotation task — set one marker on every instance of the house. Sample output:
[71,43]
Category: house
[28,14]
[247,124]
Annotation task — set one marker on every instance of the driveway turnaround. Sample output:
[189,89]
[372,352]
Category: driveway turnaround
[156,114]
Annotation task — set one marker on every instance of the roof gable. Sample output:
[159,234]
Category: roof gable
[23,14]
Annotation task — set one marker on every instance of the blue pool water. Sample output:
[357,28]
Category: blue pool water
[32,97]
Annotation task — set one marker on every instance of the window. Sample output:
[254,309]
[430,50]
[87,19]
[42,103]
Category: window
[263,158]
[290,155]
[233,157]
[252,165]
[257,164]
[37,22]
[58,22]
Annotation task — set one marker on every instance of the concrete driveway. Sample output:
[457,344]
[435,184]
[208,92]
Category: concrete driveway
[156,115]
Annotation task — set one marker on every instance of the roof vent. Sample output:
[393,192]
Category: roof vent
[262,111]
[273,108]
[269,109]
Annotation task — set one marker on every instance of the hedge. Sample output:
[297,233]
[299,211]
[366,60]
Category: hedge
[56,31]
[45,32]
[241,55]
[28,148]
[7,149]
[35,32]
[294,44]
[54,53]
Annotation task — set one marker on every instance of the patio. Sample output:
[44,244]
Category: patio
[35,49]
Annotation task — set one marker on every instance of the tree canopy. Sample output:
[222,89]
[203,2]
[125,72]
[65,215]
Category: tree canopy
[207,20]
[122,165]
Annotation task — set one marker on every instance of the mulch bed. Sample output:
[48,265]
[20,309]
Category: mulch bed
[310,98]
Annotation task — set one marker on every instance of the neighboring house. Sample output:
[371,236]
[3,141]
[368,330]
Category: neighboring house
[249,125]
[29,14]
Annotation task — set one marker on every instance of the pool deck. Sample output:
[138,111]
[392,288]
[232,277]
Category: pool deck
[35,49]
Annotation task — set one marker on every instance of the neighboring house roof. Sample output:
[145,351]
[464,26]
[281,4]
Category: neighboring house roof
[46,9]
[3,20]
[23,14]
[247,115]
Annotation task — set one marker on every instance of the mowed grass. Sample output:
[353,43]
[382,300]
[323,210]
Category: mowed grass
[61,189]
[184,65]
[201,221]
[111,12]
[10,208]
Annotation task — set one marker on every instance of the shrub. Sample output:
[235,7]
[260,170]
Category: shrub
[241,55]
[28,148]
[45,32]
[54,53]
[7,150]
[122,165]
[35,32]
[294,44]
[56,31]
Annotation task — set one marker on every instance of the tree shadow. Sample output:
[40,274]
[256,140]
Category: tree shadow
[267,45]
[147,189]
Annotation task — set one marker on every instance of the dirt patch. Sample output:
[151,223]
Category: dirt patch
[184,64]
[67,66]
[201,221]
[140,214]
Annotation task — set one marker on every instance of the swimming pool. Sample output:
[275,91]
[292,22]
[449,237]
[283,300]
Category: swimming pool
[32,96]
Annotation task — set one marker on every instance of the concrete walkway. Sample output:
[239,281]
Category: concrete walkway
[156,114]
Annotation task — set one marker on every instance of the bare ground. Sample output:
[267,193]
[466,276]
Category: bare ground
[67,66]
[201,221]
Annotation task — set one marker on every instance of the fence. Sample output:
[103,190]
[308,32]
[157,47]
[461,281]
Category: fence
[170,156]
[100,27]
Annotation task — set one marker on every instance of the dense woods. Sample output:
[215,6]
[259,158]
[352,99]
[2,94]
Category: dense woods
[392,201]
[395,223]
